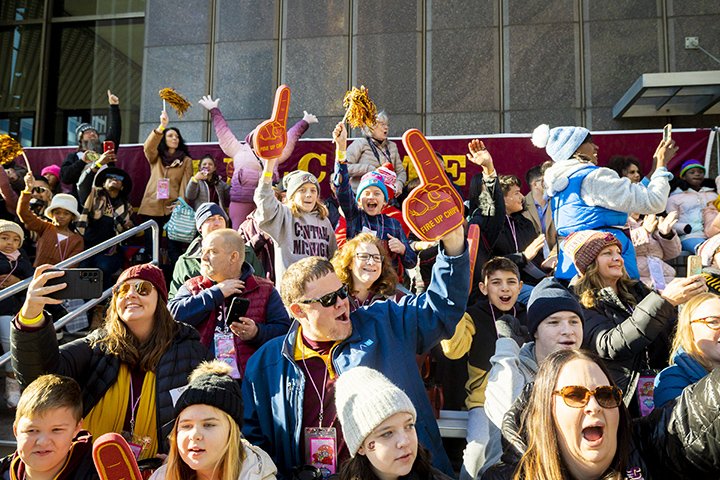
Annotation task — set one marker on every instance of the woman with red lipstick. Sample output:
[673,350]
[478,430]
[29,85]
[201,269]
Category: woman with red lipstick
[575,426]
[378,424]
[626,323]
[364,266]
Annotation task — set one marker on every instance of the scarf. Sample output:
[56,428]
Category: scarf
[108,415]
[99,204]
[174,159]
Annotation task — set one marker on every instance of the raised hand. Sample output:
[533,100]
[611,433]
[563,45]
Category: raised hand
[309,117]
[480,156]
[666,224]
[164,120]
[680,290]
[37,293]
[395,245]
[665,151]
[208,103]
[112,98]
[340,136]
[534,248]
[29,181]
[650,223]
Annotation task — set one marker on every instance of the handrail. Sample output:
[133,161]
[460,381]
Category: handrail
[18,287]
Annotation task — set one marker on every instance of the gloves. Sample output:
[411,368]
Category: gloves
[508,326]
[309,118]
[207,102]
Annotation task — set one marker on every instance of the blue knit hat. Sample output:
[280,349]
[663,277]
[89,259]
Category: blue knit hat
[549,297]
[371,179]
[207,210]
[560,142]
[689,165]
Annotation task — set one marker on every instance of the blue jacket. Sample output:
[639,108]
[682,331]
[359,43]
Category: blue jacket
[385,336]
[670,383]
[571,214]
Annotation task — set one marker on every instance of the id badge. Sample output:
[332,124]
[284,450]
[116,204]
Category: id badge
[225,352]
[136,444]
[645,389]
[367,230]
[163,189]
[321,449]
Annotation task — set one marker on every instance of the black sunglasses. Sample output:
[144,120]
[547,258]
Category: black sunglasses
[113,176]
[329,299]
[577,396]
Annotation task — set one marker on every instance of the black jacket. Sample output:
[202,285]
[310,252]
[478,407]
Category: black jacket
[36,352]
[676,441]
[630,341]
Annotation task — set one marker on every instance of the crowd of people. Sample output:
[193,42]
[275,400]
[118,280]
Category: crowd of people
[286,335]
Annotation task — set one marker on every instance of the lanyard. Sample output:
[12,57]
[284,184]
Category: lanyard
[375,149]
[134,407]
[492,311]
[17,262]
[512,232]
[321,397]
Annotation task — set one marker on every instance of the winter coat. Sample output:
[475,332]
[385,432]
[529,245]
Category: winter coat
[199,300]
[683,371]
[630,341]
[36,352]
[294,237]
[178,173]
[385,336]
[655,245]
[257,465]
[586,197]
[198,192]
[247,166]
[512,367]
[676,441]
[363,158]
[690,204]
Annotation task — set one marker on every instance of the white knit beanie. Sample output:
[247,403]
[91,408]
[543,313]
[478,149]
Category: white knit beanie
[560,143]
[365,398]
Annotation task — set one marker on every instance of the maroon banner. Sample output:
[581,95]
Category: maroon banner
[512,154]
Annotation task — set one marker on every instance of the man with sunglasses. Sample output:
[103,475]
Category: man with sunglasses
[206,302]
[288,390]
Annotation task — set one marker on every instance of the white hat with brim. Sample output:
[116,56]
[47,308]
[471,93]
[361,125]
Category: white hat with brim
[64,201]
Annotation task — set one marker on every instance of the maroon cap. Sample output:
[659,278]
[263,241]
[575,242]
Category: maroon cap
[149,272]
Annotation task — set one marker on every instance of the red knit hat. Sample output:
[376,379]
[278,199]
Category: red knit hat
[149,272]
[584,247]
[389,177]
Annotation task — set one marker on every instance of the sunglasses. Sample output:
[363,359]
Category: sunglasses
[112,176]
[577,396]
[39,190]
[329,299]
[142,288]
[711,321]
[364,257]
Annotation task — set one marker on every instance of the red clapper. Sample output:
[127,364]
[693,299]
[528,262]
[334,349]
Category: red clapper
[473,239]
[271,135]
[434,207]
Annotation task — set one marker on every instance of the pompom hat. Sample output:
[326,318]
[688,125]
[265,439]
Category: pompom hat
[560,143]
[211,384]
[584,247]
[372,179]
[365,398]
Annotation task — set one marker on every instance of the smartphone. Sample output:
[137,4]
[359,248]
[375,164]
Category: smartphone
[83,283]
[238,308]
[694,265]
[108,145]
[667,132]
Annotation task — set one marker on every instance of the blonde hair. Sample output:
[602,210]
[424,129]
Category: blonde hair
[683,331]
[49,392]
[229,465]
[343,259]
[590,285]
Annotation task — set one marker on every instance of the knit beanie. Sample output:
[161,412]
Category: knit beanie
[690,164]
[387,172]
[296,179]
[560,142]
[549,297]
[211,384]
[207,210]
[365,398]
[8,226]
[146,271]
[51,169]
[372,179]
[584,247]
[82,128]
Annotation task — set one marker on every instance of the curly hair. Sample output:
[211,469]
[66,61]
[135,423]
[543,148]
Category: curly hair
[344,258]
[508,181]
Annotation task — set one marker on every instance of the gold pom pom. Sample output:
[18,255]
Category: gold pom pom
[177,101]
[359,109]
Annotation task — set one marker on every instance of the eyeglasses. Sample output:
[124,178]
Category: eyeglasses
[577,396]
[142,288]
[39,190]
[329,299]
[712,321]
[364,257]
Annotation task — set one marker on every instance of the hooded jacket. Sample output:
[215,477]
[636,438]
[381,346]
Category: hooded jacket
[684,371]
[690,204]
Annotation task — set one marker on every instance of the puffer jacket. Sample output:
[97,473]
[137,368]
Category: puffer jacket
[690,204]
[257,465]
[655,245]
[36,352]
[361,159]
[630,341]
[669,384]
[677,441]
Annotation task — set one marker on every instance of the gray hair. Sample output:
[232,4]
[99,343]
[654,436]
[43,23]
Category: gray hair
[380,117]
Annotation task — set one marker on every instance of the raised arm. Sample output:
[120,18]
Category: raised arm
[114,131]
[150,147]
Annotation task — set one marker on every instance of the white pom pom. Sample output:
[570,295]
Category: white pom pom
[540,136]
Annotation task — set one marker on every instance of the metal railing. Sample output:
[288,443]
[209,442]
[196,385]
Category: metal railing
[20,286]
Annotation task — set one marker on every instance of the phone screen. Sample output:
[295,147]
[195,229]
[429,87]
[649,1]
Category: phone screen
[667,132]
[694,265]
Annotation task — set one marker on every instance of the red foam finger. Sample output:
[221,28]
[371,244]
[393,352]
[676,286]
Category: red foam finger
[113,458]
[270,136]
[433,208]
[473,245]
